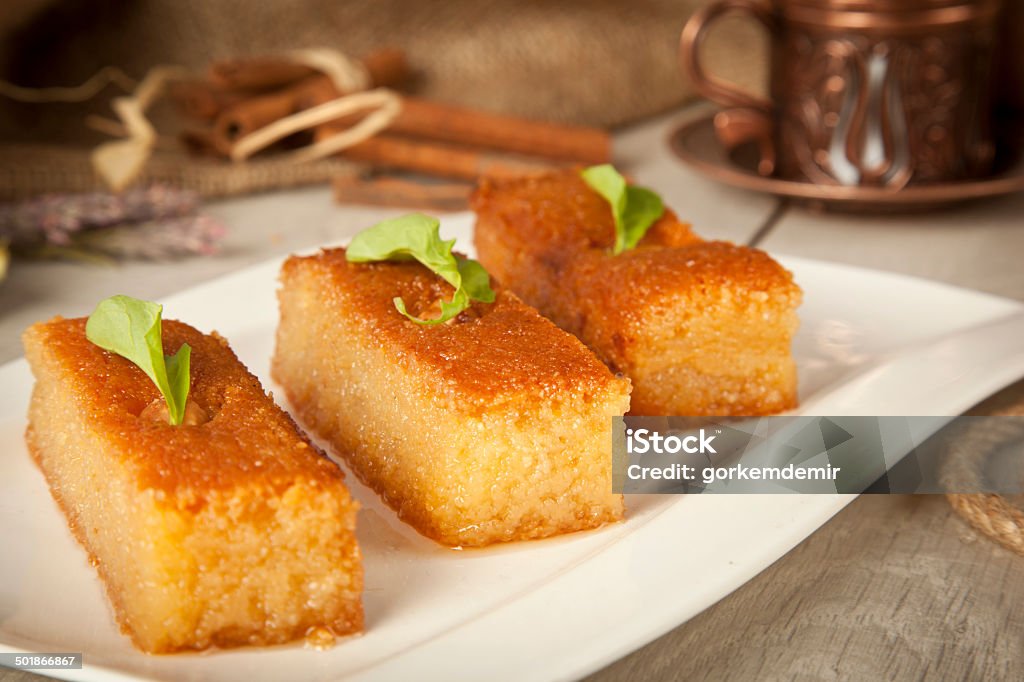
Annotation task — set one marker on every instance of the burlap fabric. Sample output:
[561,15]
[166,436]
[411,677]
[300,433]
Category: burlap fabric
[599,62]
[602,62]
[30,170]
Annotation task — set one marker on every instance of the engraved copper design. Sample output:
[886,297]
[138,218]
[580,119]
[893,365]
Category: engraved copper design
[863,94]
[697,144]
[861,110]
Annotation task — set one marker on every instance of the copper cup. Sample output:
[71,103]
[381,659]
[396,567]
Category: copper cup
[878,93]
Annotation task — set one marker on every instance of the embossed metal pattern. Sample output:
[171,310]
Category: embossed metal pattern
[864,94]
[879,110]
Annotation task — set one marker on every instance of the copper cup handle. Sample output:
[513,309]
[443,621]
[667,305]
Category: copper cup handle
[690,41]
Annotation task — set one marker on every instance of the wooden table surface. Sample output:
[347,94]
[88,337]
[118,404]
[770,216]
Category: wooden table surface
[894,587]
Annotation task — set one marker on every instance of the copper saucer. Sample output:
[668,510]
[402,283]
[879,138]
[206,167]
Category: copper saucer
[695,144]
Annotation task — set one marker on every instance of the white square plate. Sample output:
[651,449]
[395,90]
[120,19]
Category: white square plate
[545,610]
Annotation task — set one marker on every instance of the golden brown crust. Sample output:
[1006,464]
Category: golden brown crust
[625,292]
[494,428]
[217,455]
[220,534]
[489,353]
[567,226]
[700,327]
[559,214]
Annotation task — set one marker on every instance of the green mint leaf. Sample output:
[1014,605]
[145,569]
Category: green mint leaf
[607,182]
[643,208]
[449,309]
[417,237]
[634,209]
[132,329]
[179,367]
[475,280]
[414,236]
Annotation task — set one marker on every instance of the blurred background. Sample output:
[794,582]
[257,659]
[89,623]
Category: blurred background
[589,66]
[604,62]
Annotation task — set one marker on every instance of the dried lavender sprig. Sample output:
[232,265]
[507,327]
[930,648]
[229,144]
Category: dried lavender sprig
[54,218]
[160,240]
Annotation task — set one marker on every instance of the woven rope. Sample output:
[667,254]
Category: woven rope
[74,93]
[991,514]
[349,77]
[123,161]
[347,74]
[385,104]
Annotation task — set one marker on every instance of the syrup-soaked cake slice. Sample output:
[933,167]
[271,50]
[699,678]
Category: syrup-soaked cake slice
[230,529]
[701,328]
[495,426]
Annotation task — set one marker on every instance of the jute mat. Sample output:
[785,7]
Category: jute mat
[600,62]
[30,170]
[597,62]
[999,517]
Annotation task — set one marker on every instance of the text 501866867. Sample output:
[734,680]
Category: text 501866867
[41,661]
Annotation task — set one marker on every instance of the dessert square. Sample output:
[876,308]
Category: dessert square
[700,327]
[493,427]
[230,529]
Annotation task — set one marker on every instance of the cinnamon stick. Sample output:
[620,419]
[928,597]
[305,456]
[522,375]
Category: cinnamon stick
[252,114]
[386,67]
[256,73]
[475,128]
[200,100]
[446,161]
[199,142]
[402,193]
